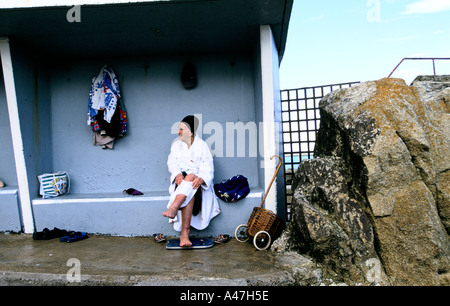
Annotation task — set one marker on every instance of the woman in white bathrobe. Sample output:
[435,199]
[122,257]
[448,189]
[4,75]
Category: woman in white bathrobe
[191,167]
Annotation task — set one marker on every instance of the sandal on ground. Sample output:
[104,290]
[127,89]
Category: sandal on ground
[74,236]
[221,238]
[159,237]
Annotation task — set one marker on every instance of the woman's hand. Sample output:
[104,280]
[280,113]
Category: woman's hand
[197,183]
[179,179]
[196,180]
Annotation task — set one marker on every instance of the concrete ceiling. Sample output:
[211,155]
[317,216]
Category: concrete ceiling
[163,27]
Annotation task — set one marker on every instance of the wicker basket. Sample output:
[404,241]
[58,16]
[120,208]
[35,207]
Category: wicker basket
[265,220]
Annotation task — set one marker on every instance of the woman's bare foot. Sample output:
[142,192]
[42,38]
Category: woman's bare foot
[184,241]
[170,213]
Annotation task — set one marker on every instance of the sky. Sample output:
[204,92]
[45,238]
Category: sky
[332,41]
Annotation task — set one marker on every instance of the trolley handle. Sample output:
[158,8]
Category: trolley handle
[273,178]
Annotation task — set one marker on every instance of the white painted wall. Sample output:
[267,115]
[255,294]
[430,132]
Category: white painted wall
[270,95]
[21,169]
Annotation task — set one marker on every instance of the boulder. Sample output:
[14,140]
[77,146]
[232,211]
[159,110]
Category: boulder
[373,206]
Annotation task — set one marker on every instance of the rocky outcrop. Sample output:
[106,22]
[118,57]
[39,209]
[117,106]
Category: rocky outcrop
[373,207]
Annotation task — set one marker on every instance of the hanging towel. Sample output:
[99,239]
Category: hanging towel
[106,115]
[104,94]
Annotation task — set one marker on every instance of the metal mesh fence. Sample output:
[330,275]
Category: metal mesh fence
[300,124]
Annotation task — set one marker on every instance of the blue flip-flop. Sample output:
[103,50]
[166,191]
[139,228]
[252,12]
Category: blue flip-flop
[74,236]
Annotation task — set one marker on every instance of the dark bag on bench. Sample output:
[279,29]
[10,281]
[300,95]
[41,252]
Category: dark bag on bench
[233,189]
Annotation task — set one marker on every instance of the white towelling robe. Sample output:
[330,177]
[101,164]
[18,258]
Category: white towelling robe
[194,160]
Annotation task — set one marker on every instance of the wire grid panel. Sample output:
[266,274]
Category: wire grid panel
[300,124]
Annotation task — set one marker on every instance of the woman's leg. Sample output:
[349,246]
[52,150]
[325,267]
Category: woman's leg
[172,211]
[186,215]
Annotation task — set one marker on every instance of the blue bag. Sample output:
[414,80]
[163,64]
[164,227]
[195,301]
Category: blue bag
[233,189]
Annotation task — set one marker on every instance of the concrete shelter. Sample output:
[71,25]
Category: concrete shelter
[50,50]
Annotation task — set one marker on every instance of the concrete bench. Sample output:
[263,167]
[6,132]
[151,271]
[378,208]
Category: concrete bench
[9,210]
[120,214]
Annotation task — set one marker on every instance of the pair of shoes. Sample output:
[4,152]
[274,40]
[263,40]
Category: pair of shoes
[159,237]
[47,234]
[222,239]
[74,236]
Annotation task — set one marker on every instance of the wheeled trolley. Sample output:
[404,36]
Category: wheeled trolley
[263,225]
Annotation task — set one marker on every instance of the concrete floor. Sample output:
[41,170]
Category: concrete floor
[124,261]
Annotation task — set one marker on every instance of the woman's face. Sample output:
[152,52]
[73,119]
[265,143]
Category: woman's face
[184,133]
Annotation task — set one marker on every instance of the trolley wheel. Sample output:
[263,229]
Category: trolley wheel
[241,233]
[262,240]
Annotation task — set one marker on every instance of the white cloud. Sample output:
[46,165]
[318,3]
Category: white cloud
[397,39]
[440,32]
[427,6]
[315,18]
